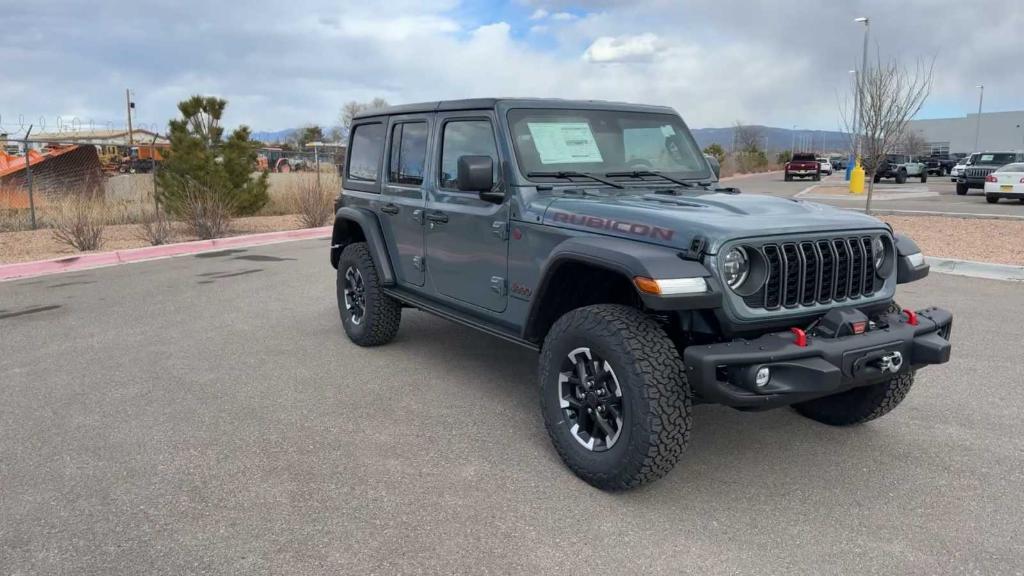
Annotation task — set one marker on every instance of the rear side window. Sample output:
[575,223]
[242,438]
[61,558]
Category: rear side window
[465,138]
[367,150]
[408,153]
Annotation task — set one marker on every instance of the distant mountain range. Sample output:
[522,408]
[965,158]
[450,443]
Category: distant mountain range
[776,139]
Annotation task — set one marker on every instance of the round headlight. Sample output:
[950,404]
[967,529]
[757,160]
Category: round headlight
[735,267]
[878,250]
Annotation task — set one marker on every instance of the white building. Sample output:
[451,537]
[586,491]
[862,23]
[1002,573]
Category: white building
[1002,131]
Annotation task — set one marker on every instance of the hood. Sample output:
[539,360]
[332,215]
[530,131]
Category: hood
[675,220]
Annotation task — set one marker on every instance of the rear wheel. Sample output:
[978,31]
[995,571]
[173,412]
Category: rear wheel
[991,199]
[370,317]
[924,176]
[614,396]
[961,189]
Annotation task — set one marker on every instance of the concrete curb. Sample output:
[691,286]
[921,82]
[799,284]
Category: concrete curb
[100,259]
[976,269]
[966,215]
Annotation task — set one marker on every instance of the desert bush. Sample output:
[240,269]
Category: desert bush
[313,203]
[203,207]
[77,220]
[155,228]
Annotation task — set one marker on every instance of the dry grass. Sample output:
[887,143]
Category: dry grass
[204,210]
[155,228]
[313,204]
[78,221]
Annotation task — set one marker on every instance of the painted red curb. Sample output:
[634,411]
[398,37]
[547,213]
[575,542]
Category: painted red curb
[98,259]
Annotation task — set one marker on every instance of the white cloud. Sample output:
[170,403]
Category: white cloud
[539,14]
[640,48]
[563,16]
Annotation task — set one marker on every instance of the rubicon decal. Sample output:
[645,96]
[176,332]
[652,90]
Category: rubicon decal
[634,228]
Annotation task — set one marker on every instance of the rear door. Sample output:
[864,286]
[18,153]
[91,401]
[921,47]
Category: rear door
[466,237]
[400,205]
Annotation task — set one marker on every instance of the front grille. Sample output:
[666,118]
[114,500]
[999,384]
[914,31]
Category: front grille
[810,272]
[978,172]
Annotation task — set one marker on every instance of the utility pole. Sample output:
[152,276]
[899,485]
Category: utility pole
[28,179]
[977,125]
[130,105]
[792,147]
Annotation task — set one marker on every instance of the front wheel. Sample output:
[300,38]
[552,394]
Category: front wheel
[370,317]
[961,189]
[901,177]
[924,177]
[614,396]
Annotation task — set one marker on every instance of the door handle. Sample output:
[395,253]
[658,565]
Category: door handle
[437,217]
[389,208]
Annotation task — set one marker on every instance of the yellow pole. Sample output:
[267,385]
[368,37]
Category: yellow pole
[857,179]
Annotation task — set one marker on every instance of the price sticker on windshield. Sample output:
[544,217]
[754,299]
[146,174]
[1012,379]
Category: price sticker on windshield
[564,142]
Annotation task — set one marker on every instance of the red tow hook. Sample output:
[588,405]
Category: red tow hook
[911,316]
[801,337]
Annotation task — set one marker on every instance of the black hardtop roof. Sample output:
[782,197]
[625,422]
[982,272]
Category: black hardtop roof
[493,103]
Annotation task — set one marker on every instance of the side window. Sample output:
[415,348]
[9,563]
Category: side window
[367,149]
[465,138]
[408,153]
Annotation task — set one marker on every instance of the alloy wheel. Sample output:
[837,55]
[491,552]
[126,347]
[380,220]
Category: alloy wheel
[591,400]
[355,295]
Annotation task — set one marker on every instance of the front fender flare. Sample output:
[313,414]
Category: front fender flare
[344,219]
[630,259]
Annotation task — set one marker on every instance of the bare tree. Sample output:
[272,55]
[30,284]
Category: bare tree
[912,142]
[747,138]
[890,95]
[352,108]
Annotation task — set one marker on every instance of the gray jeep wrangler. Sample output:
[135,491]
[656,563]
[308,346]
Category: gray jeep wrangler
[597,234]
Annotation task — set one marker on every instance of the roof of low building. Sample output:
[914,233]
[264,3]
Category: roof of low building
[139,136]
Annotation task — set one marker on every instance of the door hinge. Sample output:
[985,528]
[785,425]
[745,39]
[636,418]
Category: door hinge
[417,262]
[498,285]
[500,229]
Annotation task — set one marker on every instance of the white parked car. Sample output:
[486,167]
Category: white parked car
[826,166]
[1006,182]
[961,164]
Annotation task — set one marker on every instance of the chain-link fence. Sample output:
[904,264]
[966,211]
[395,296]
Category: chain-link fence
[39,170]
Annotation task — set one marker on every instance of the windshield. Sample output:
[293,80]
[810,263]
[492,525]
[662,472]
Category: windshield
[994,158]
[601,142]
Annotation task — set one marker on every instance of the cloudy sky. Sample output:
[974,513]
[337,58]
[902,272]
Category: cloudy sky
[284,64]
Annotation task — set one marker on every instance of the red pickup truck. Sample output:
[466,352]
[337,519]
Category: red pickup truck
[803,165]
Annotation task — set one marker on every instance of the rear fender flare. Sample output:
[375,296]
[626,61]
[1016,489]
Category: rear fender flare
[348,223]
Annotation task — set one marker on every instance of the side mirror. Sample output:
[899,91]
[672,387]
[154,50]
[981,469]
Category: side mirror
[476,174]
[715,166]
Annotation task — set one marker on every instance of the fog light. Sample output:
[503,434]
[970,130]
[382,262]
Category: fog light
[764,374]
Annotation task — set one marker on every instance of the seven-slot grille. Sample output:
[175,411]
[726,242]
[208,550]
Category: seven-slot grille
[978,172]
[812,272]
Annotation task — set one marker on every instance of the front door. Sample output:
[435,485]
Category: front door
[401,203]
[466,237]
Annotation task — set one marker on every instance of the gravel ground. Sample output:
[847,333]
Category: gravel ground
[964,238]
[40,244]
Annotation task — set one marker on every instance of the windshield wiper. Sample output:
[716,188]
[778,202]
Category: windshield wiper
[569,174]
[642,173]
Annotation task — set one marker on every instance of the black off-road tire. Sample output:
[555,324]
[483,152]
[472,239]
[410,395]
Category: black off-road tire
[817,177]
[656,398]
[788,178]
[924,177]
[901,176]
[877,178]
[862,404]
[382,314]
[961,189]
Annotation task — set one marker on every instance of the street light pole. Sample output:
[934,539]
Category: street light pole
[977,124]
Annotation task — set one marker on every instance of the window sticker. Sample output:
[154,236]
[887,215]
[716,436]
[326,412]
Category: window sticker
[564,142]
[667,130]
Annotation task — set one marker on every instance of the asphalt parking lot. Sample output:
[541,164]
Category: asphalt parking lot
[205,414]
[936,196]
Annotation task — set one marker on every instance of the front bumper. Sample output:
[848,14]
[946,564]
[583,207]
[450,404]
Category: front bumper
[724,373]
